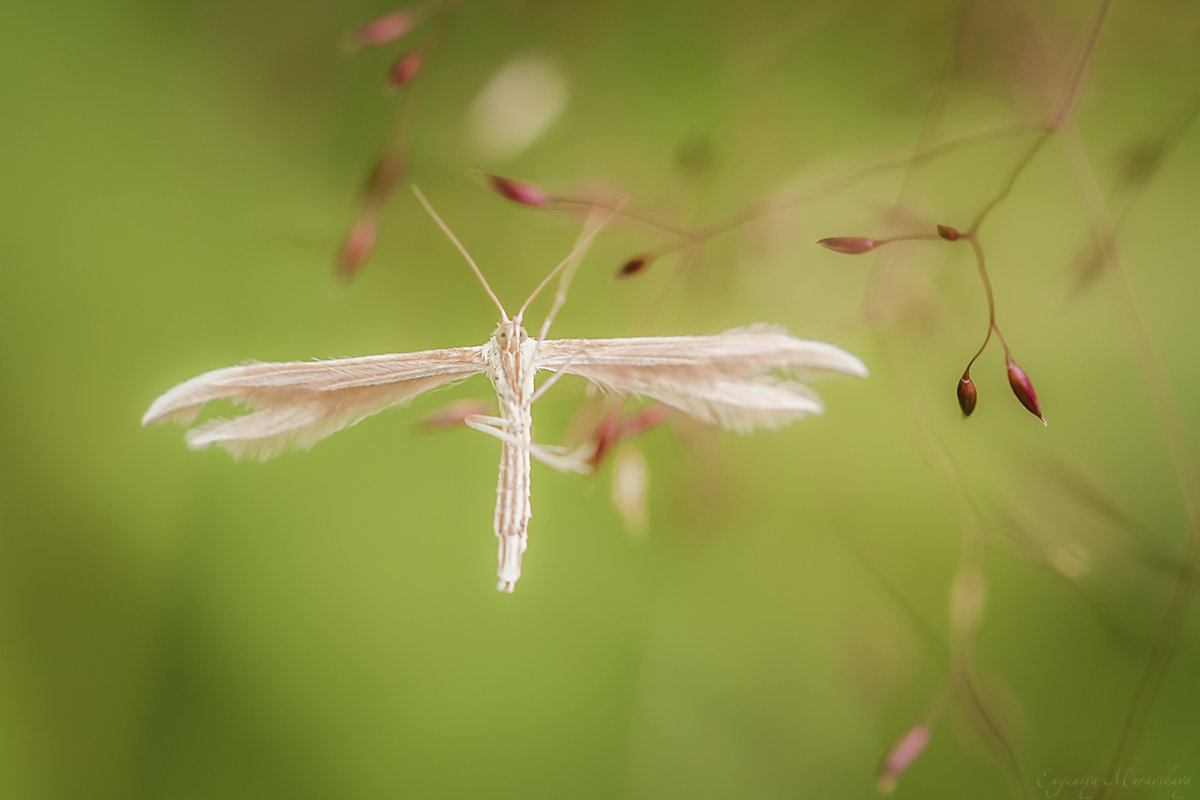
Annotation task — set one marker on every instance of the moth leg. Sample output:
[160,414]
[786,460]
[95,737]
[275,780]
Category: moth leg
[553,379]
[563,461]
[492,426]
[554,456]
[480,421]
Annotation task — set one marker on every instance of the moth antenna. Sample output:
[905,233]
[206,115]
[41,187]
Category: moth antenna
[570,264]
[474,267]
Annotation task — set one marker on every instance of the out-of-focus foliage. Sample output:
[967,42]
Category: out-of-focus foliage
[177,177]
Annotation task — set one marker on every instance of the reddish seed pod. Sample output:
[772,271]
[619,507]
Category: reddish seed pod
[634,266]
[405,69]
[385,29]
[1023,388]
[848,245]
[612,429]
[967,394]
[606,435]
[453,415]
[527,194]
[644,420]
[948,233]
[906,750]
[359,244]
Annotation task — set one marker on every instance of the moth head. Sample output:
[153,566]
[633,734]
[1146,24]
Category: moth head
[510,335]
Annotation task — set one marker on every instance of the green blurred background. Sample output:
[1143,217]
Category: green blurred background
[176,179]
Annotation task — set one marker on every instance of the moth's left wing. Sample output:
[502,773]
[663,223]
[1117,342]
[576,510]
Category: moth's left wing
[741,379]
[296,403]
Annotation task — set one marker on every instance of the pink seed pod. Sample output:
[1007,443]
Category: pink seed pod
[606,435]
[527,194]
[405,69]
[906,750]
[612,430]
[948,233]
[644,420]
[634,266]
[385,29]
[357,247]
[849,245]
[452,415]
[967,394]
[1023,388]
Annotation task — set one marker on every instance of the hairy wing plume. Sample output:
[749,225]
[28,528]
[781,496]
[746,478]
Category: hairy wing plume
[296,403]
[740,379]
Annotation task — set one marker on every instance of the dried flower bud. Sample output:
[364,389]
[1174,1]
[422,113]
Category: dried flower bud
[849,245]
[634,266]
[385,29]
[906,750]
[527,194]
[405,68]
[1023,388]
[948,233]
[359,244]
[967,395]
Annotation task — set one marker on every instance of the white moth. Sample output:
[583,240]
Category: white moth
[728,379]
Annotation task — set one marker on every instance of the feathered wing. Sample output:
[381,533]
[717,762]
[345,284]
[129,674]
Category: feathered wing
[741,379]
[296,403]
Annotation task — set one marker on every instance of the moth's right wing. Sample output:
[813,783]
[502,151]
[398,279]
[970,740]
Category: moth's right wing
[741,379]
[296,403]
